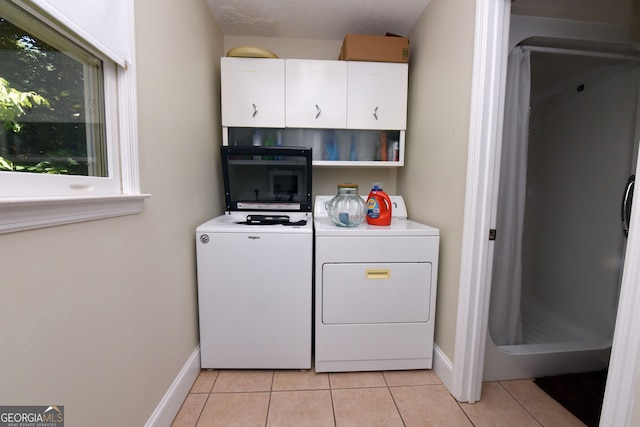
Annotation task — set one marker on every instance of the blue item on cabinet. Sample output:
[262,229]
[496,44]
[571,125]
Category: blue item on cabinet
[353,152]
[331,146]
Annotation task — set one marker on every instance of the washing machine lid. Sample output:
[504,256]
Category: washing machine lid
[236,222]
[267,178]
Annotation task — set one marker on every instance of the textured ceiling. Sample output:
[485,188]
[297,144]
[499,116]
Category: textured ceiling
[332,19]
[316,19]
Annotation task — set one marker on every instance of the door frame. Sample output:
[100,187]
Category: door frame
[485,134]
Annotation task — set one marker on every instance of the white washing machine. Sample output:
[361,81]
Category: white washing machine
[375,293]
[255,263]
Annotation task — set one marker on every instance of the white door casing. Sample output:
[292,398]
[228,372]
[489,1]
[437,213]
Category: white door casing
[485,134]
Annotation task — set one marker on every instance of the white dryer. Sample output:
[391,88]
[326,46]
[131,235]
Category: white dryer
[375,293]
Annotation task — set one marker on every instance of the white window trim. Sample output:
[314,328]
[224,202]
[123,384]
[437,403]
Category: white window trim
[20,213]
[26,214]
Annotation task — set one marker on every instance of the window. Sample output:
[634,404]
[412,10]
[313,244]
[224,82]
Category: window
[57,122]
[67,135]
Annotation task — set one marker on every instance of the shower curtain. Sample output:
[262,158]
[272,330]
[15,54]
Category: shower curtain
[505,323]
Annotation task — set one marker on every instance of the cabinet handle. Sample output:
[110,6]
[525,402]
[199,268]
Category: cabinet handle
[375,113]
[255,110]
[318,110]
[378,274]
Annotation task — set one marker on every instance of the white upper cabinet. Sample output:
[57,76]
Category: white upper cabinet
[316,94]
[377,95]
[298,93]
[352,113]
[252,92]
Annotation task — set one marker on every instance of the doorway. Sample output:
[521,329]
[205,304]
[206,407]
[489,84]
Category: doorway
[471,328]
[558,261]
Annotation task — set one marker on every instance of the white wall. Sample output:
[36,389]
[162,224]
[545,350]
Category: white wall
[101,316]
[434,177]
[580,150]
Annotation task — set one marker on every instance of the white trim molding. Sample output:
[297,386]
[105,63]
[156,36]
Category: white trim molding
[489,68]
[27,213]
[443,367]
[24,213]
[128,118]
[168,408]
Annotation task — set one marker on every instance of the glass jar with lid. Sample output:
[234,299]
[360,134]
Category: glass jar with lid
[347,209]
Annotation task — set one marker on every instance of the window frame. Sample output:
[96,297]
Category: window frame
[84,198]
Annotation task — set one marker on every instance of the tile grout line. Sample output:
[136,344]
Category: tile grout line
[520,403]
[266,418]
[462,409]
[393,399]
[333,406]
[202,410]
[207,399]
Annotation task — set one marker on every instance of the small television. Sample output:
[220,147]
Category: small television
[267,178]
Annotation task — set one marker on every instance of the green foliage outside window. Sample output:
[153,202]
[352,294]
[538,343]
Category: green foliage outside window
[12,105]
[42,106]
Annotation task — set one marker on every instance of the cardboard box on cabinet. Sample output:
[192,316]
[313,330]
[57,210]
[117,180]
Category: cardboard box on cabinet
[361,47]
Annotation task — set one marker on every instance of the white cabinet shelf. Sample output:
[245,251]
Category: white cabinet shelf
[330,147]
[350,113]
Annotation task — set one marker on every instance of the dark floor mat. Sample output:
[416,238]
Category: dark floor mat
[580,394]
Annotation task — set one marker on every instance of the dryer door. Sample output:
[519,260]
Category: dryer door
[376,293]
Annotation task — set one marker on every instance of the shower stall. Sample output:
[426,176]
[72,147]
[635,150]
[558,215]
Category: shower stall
[569,148]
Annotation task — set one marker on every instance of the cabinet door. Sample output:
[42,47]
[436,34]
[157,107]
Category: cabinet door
[316,94]
[377,95]
[252,92]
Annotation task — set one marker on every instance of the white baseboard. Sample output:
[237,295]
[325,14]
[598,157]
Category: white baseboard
[443,367]
[172,400]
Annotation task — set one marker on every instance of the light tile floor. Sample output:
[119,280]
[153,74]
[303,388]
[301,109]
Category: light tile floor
[390,398]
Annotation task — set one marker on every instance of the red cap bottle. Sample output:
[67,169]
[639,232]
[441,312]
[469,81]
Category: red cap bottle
[378,206]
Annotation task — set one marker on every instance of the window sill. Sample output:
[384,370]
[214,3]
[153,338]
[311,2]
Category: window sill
[17,214]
